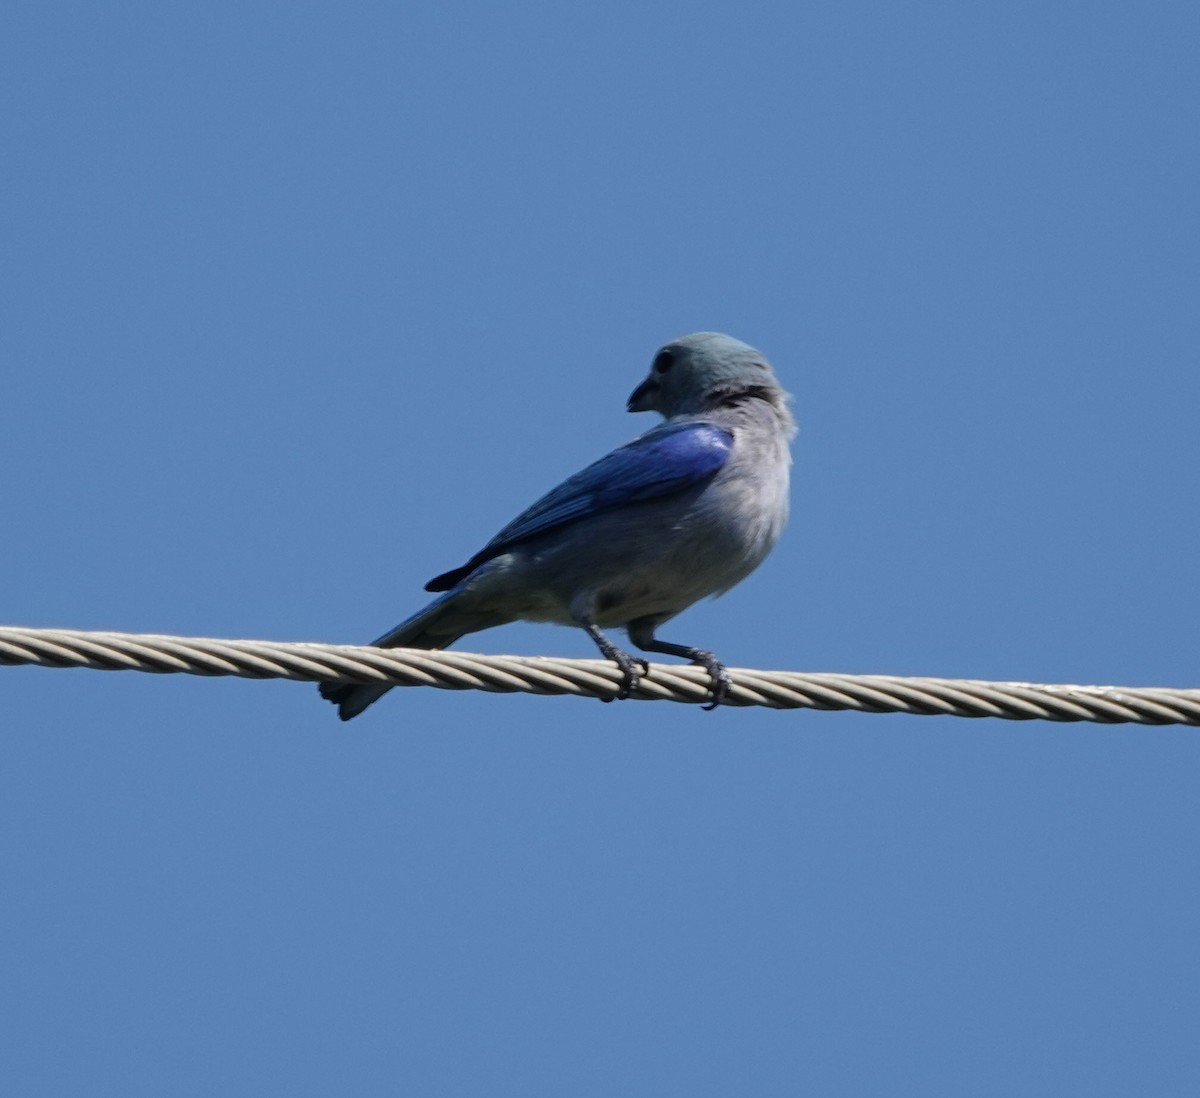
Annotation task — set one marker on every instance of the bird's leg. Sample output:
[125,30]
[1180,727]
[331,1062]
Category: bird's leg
[641,632]
[627,663]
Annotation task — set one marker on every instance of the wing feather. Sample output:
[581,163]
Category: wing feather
[669,459]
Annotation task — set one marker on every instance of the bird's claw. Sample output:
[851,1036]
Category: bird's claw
[721,682]
[631,675]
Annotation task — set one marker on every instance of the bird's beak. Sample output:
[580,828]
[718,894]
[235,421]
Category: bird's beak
[642,398]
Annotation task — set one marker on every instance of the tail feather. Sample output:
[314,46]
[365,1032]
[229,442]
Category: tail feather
[351,699]
[438,625]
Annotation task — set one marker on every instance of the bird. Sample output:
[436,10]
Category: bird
[684,511]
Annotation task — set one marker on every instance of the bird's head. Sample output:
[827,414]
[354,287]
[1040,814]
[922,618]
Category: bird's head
[704,371]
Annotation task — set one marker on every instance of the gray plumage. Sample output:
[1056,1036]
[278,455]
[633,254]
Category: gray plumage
[682,512]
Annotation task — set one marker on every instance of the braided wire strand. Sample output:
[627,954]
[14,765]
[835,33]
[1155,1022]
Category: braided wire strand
[311,662]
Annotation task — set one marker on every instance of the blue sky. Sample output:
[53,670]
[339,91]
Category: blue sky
[301,302]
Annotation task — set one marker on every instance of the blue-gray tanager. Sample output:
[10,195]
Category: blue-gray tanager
[686,510]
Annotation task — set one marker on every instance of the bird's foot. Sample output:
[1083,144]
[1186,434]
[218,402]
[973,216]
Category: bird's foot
[721,682]
[631,675]
[630,671]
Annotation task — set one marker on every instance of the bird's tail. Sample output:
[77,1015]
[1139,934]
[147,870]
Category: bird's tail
[439,625]
[350,699]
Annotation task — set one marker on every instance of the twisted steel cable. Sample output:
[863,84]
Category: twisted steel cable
[593,678]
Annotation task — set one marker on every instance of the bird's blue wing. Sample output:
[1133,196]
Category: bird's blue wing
[659,463]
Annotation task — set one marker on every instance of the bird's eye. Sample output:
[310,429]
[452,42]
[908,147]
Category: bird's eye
[663,361]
